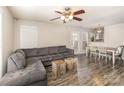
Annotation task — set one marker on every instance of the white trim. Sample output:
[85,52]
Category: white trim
[1,56]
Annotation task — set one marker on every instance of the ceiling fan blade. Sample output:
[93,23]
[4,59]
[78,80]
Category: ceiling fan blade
[79,12]
[76,18]
[58,12]
[55,18]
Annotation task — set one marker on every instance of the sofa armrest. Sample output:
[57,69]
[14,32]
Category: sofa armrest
[11,66]
[70,51]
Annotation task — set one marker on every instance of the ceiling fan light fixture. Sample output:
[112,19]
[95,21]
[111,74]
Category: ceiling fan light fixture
[66,19]
[70,17]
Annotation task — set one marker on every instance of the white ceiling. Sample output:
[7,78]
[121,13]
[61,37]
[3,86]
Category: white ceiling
[105,15]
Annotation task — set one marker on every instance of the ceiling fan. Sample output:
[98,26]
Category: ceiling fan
[68,15]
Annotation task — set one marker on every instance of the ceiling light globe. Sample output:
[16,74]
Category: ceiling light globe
[62,17]
[70,17]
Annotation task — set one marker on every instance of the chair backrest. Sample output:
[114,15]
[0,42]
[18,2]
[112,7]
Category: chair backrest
[119,50]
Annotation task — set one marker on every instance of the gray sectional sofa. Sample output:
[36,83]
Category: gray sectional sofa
[47,54]
[27,66]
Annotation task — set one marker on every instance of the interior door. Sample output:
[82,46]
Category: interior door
[79,42]
[75,42]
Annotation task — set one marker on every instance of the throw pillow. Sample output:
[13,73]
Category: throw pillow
[18,59]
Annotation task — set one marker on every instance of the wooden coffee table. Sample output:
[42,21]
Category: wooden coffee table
[71,64]
[58,68]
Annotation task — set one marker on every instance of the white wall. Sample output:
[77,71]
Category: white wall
[113,36]
[7,37]
[49,34]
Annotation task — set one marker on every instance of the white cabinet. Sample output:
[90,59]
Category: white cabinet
[28,36]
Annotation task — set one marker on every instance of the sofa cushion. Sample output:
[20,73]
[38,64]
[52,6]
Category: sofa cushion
[32,60]
[34,72]
[67,55]
[61,49]
[18,59]
[53,50]
[57,56]
[30,52]
[47,63]
[42,51]
[45,58]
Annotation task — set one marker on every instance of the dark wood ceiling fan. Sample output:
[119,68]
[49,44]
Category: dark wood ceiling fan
[67,15]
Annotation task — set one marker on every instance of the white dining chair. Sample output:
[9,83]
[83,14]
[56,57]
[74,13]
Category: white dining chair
[118,53]
[94,52]
[102,53]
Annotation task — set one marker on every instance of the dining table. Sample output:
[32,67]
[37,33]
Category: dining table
[107,49]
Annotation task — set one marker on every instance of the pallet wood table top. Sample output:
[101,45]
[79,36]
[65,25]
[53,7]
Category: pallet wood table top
[58,61]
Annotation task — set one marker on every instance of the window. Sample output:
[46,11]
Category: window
[28,36]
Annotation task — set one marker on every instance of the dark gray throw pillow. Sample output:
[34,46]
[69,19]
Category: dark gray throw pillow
[18,59]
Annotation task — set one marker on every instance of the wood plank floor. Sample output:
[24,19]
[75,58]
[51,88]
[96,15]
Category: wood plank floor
[90,72]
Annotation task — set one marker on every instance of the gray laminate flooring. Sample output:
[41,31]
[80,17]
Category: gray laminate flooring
[90,72]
